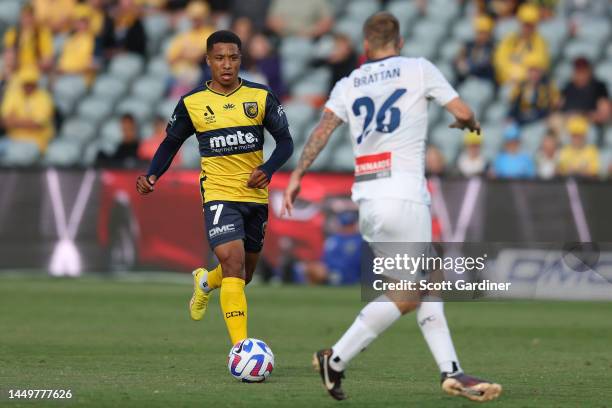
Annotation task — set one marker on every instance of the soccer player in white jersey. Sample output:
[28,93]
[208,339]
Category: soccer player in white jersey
[385,104]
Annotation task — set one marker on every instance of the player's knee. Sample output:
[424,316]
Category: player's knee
[407,306]
[232,263]
[232,268]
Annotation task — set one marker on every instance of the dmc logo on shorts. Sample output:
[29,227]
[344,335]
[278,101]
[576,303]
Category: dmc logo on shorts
[235,313]
[224,229]
[236,139]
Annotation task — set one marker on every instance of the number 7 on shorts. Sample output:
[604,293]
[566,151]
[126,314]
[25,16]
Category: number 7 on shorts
[217,208]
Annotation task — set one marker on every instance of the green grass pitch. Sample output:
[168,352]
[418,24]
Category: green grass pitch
[124,344]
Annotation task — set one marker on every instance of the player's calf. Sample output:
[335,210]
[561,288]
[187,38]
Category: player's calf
[232,298]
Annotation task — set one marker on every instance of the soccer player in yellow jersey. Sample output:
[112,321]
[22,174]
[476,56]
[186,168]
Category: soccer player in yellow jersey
[228,116]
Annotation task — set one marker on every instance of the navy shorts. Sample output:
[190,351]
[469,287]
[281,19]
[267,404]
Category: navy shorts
[232,220]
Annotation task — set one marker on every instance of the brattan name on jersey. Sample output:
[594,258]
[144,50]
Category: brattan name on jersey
[375,77]
[385,103]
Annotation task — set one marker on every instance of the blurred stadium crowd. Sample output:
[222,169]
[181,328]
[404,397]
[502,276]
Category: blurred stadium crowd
[93,82]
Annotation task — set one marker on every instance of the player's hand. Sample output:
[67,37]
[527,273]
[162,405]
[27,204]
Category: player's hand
[471,125]
[258,179]
[145,185]
[291,193]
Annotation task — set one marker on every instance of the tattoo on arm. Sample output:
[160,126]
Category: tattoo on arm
[317,140]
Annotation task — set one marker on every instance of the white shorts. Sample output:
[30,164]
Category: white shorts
[392,220]
[395,221]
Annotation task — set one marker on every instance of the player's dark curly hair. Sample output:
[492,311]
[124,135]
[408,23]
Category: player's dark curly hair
[223,36]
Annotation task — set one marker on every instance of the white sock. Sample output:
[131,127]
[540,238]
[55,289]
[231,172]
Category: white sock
[373,319]
[204,282]
[431,320]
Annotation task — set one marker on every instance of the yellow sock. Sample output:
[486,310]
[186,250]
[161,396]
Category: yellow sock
[214,277]
[234,307]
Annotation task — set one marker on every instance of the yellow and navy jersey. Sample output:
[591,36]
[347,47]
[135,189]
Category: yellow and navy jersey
[230,132]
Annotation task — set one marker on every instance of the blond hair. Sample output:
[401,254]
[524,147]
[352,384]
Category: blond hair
[381,30]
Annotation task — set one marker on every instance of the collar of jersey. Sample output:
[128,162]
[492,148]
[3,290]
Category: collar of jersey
[222,94]
[380,59]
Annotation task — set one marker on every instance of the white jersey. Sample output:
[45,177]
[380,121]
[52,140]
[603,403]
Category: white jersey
[385,103]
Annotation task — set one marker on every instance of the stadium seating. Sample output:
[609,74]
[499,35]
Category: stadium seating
[608,139]
[109,87]
[137,85]
[299,116]
[463,30]
[449,50]
[62,153]
[581,48]
[604,72]
[110,136]
[346,25]
[477,93]
[165,108]
[425,49]
[314,83]
[361,9]
[428,30]
[605,159]
[94,109]
[78,131]
[496,112]
[492,140]
[19,154]
[442,11]
[296,48]
[90,153]
[9,12]
[67,90]
[406,13]
[126,66]
[448,141]
[149,88]
[190,153]
[532,135]
[505,27]
[434,114]
[139,108]
[157,27]
[594,30]
[343,158]
[555,33]
[158,67]
[562,73]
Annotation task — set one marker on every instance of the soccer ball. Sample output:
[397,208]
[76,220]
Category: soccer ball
[250,360]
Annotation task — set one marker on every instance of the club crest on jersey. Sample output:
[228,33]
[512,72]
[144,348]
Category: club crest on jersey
[250,109]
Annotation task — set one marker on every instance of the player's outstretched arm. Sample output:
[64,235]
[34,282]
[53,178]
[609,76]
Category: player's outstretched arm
[178,130]
[160,163]
[464,117]
[316,142]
